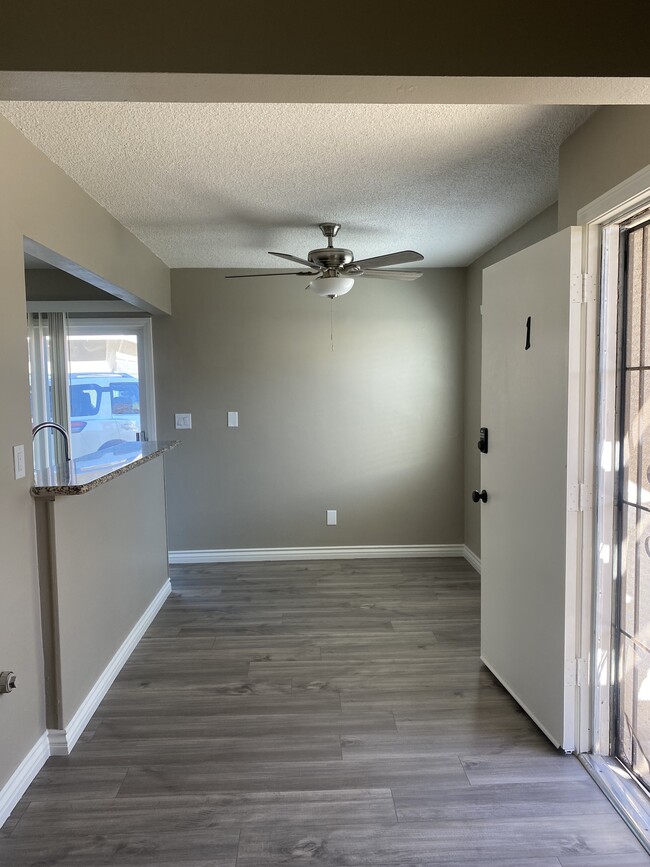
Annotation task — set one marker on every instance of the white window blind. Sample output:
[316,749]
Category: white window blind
[48,372]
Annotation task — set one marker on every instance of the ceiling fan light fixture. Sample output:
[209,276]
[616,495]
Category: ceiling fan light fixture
[331,287]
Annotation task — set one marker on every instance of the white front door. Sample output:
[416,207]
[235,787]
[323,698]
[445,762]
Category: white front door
[528,594]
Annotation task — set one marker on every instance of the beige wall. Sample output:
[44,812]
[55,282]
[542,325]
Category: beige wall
[111,556]
[372,429]
[610,147]
[539,227]
[39,201]
[50,284]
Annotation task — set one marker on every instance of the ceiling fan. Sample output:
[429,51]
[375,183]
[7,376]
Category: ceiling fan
[333,269]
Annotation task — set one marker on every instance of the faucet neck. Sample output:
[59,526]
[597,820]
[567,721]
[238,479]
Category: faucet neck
[54,426]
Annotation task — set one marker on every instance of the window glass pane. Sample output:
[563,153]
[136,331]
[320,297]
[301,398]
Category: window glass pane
[84,399]
[628,570]
[104,389]
[642,278]
[631,439]
[644,438]
[634,299]
[125,398]
[626,702]
[634,710]
[632,726]
[85,374]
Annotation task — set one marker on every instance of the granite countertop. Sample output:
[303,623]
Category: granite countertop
[83,474]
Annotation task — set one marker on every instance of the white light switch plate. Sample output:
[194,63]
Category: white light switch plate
[233,419]
[19,462]
[331,517]
[183,420]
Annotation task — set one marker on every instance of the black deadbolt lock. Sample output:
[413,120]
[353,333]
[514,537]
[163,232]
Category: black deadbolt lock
[483,440]
[479,495]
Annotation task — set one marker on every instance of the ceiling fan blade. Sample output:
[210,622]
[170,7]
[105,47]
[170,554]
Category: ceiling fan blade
[295,259]
[272,274]
[400,258]
[391,275]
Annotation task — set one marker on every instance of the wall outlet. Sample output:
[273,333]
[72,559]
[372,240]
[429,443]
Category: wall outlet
[183,420]
[233,419]
[331,517]
[19,462]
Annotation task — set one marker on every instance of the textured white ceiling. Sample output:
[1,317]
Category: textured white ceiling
[217,185]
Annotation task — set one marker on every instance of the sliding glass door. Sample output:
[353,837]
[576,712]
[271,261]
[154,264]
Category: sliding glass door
[632,692]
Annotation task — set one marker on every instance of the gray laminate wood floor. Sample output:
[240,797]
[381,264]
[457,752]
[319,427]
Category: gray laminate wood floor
[333,713]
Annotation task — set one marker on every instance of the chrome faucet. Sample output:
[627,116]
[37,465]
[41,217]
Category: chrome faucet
[54,426]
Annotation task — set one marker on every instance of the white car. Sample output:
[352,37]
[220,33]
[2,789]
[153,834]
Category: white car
[104,411]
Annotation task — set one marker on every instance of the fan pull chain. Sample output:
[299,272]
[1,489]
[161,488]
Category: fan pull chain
[332,323]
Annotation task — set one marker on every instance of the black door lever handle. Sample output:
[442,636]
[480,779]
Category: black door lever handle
[479,495]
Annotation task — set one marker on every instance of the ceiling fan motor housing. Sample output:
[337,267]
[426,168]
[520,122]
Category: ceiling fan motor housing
[330,257]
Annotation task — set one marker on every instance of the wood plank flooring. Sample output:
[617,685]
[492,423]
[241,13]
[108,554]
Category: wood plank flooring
[333,713]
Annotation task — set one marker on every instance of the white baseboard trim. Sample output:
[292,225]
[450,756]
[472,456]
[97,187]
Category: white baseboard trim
[330,552]
[61,741]
[21,778]
[472,559]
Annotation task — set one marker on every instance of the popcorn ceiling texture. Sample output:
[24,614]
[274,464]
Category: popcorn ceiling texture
[217,185]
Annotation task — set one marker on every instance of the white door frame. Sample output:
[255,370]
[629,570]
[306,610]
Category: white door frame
[583,351]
